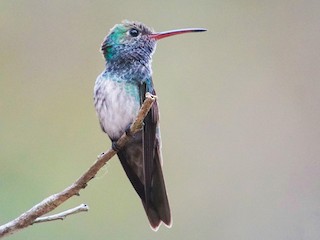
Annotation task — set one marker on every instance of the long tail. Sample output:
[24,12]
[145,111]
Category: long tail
[157,209]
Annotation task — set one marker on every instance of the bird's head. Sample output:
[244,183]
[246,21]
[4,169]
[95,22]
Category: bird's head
[129,41]
[129,46]
[135,41]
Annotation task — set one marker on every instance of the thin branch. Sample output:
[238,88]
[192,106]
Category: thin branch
[61,216]
[53,201]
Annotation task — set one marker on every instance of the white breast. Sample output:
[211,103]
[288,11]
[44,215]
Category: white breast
[116,104]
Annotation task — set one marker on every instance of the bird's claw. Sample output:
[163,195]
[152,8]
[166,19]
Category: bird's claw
[128,131]
[115,146]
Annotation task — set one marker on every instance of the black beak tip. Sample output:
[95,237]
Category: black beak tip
[200,30]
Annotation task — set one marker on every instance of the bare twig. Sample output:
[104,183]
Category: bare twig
[53,201]
[61,216]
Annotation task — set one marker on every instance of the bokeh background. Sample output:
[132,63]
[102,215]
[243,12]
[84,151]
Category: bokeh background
[240,116]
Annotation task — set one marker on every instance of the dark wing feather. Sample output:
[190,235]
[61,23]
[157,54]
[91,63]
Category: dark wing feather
[156,200]
[148,143]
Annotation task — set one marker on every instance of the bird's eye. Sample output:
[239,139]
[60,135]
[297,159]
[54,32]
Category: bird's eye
[133,32]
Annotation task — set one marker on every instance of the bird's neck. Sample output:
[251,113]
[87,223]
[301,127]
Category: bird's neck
[131,70]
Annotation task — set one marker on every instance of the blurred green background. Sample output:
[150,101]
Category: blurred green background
[240,116]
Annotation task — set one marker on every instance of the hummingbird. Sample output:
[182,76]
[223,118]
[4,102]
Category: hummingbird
[119,92]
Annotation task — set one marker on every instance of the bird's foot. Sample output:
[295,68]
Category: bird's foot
[128,131]
[115,146]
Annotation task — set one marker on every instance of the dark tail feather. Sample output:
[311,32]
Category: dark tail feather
[158,209]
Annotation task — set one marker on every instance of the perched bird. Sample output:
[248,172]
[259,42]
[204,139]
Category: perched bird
[118,94]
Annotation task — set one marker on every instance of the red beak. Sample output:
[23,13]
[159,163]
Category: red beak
[170,33]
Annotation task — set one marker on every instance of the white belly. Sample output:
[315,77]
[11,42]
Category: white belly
[117,105]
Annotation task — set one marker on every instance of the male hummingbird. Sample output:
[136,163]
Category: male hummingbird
[118,94]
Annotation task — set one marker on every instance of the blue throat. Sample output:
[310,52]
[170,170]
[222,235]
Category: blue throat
[128,71]
[128,62]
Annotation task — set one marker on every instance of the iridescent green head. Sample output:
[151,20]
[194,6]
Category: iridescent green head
[129,40]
